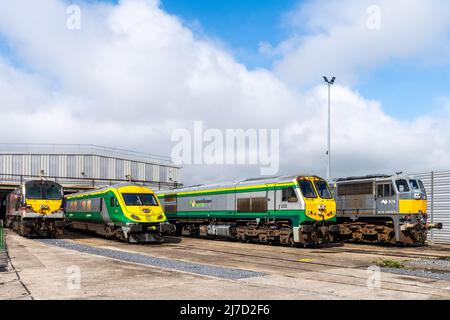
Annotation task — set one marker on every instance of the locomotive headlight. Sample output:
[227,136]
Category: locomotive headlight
[417,196]
[322,207]
[135,217]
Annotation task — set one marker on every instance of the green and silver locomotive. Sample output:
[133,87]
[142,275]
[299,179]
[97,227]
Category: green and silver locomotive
[289,210]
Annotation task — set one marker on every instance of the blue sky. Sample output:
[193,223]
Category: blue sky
[407,89]
[240,24]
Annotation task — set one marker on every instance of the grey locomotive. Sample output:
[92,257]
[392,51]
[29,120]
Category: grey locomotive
[383,209]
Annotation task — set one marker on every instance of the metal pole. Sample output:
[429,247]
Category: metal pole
[432,204]
[329,82]
[329,133]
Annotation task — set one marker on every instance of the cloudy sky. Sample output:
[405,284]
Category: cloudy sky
[136,70]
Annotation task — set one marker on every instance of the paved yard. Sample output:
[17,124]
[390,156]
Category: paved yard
[85,267]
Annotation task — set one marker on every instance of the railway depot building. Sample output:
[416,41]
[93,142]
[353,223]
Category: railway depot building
[437,185]
[82,167]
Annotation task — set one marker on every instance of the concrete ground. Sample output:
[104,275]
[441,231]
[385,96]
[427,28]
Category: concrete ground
[39,270]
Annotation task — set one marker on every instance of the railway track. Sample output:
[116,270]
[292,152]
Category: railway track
[363,249]
[265,259]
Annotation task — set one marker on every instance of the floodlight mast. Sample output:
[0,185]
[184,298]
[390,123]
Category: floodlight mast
[330,83]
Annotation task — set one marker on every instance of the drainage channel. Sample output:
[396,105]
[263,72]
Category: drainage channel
[164,263]
[3,260]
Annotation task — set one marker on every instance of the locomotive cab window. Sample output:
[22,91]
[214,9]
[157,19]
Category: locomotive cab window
[288,195]
[414,184]
[114,202]
[307,189]
[422,187]
[33,191]
[385,190]
[322,189]
[402,185]
[52,191]
[142,199]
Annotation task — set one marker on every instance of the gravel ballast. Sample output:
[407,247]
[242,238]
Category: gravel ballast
[430,262]
[171,264]
[419,273]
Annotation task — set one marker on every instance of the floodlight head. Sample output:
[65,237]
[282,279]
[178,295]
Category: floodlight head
[328,81]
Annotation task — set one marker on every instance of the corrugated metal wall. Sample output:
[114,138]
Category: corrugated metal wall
[75,166]
[437,184]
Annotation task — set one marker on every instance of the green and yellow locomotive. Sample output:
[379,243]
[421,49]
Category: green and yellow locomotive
[289,210]
[35,209]
[127,212]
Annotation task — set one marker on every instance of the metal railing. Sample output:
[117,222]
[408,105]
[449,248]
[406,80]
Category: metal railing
[43,148]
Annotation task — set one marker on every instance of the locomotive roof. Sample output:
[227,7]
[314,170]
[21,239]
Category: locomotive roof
[249,182]
[372,177]
[113,186]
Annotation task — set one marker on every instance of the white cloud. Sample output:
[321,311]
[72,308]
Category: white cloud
[133,74]
[340,37]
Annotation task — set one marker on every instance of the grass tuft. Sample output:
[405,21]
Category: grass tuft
[390,263]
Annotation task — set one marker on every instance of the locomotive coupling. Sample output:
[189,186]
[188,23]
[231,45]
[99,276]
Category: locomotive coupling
[427,226]
[434,226]
[167,228]
[407,226]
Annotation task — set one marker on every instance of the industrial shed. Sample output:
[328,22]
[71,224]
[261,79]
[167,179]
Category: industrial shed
[79,167]
[437,184]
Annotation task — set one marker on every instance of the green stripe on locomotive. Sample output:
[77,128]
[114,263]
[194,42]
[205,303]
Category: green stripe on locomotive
[231,191]
[115,213]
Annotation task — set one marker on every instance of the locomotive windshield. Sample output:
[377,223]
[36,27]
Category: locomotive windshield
[414,184]
[322,189]
[307,189]
[43,190]
[402,185]
[139,199]
[422,187]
